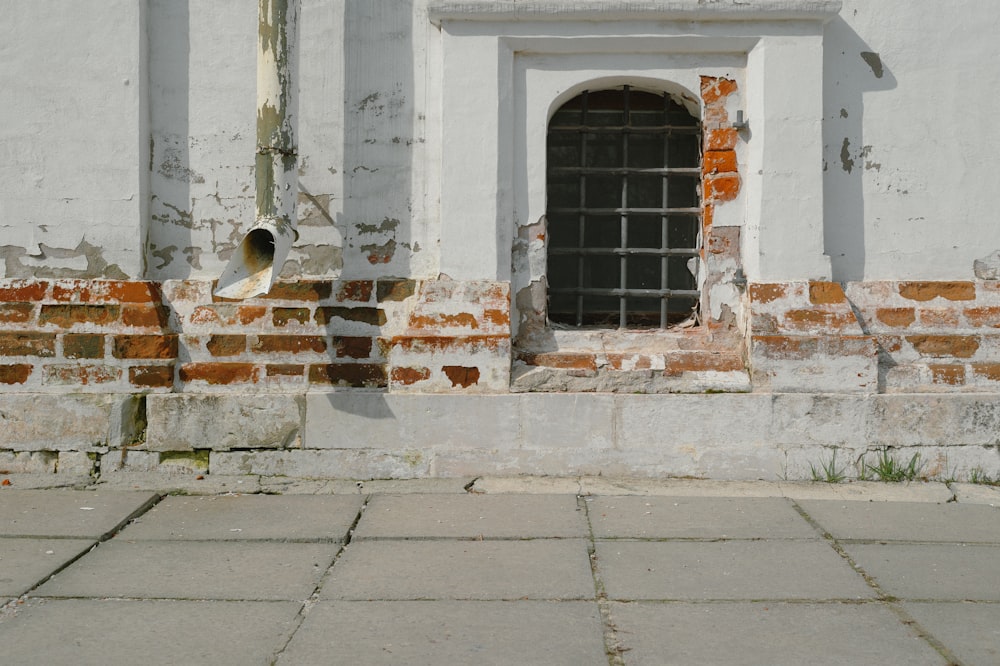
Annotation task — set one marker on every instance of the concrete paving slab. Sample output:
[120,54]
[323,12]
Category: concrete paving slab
[292,486]
[932,571]
[31,481]
[697,517]
[87,632]
[26,562]
[767,633]
[728,570]
[535,485]
[976,493]
[869,491]
[188,484]
[69,513]
[970,631]
[449,632]
[248,517]
[906,521]
[388,570]
[194,570]
[679,487]
[471,516]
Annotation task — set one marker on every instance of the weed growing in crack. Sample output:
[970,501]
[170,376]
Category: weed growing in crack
[887,468]
[979,476]
[828,471]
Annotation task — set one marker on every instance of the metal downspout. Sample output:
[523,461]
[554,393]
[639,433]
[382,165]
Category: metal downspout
[260,255]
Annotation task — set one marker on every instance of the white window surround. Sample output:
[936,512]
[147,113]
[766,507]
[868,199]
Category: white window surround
[504,67]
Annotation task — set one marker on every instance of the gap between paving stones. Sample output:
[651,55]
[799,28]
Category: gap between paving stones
[612,646]
[890,602]
[146,506]
[313,598]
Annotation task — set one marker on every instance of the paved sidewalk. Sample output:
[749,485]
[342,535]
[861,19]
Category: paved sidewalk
[527,571]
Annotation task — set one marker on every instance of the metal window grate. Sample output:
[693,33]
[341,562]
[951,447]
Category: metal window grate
[623,210]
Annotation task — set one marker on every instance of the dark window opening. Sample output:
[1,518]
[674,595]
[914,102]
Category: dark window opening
[623,210]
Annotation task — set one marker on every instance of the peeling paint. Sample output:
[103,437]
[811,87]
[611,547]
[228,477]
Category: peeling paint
[380,254]
[387,225]
[875,62]
[18,263]
[847,164]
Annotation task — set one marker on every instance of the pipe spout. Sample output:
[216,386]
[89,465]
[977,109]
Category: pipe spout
[259,257]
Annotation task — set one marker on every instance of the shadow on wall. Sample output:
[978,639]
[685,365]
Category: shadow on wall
[379,139]
[850,69]
[168,236]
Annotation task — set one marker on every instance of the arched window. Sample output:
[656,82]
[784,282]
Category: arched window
[623,210]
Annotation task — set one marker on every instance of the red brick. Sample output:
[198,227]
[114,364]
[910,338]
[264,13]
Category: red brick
[284,370]
[990,371]
[440,320]
[722,188]
[358,375]
[282,316]
[106,291]
[394,290]
[940,317]
[826,293]
[152,376]
[220,373]
[205,314]
[250,313]
[565,360]
[890,343]
[925,291]
[719,161]
[352,346]
[67,316]
[22,290]
[375,317]
[226,345]
[702,361]
[896,317]
[986,316]
[953,375]
[80,375]
[83,345]
[447,343]
[16,373]
[27,344]
[714,88]
[355,290]
[16,313]
[497,317]
[786,347]
[765,292]
[408,376]
[763,324]
[707,216]
[304,290]
[145,315]
[290,344]
[944,346]
[145,346]
[809,319]
[460,375]
[721,139]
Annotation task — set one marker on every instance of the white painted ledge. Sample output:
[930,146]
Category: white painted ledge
[618,10]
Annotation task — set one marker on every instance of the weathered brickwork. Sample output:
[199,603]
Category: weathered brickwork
[103,376]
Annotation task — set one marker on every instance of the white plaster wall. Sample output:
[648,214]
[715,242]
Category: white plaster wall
[71,103]
[911,194]
[910,138]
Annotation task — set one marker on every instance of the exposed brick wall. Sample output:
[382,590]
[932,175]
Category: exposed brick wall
[118,337]
[122,337]
[894,336]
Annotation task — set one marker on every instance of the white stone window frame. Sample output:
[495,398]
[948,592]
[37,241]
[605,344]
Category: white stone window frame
[501,68]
